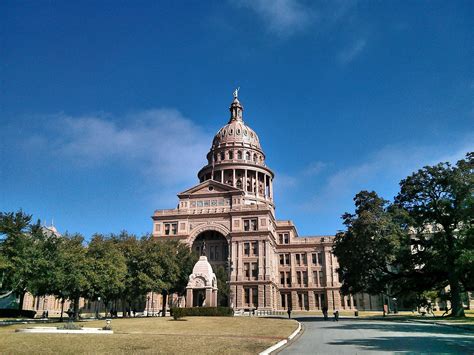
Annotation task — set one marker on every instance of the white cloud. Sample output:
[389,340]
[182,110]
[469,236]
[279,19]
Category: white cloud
[283,17]
[382,171]
[352,51]
[160,144]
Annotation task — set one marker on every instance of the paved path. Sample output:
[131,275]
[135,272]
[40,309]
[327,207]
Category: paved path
[359,336]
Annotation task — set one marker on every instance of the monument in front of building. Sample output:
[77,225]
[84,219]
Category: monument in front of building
[201,290]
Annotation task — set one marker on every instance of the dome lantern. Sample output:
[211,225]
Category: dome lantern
[236,108]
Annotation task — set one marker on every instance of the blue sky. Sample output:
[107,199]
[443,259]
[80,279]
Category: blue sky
[108,108]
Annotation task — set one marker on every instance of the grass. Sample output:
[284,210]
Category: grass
[197,335]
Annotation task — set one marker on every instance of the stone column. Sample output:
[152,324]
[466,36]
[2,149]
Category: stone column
[312,303]
[260,260]
[239,260]
[256,184]
[309,270]
[233,178]
[330,299]
[234,261]
[268,260]
[245,181]
[293,268]
[208,297]
[294,300]
[261,296]
[189,298]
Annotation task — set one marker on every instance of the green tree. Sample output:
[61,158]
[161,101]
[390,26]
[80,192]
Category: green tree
[421,242]
[108,269]
[74,280]
[440,202]
[18,252]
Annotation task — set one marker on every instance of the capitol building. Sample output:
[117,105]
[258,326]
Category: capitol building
[230,217]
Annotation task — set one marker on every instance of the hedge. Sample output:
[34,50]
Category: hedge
[17,313]
[202,312]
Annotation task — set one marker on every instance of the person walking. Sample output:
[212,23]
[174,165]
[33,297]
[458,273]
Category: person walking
[325,313]
[289,312]
[336,315]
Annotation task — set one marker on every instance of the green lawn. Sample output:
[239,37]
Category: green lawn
[197,335]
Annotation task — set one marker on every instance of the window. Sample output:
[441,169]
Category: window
[254,296]
[288,279]
[247,270]
[298,259]
[299,280]
[255,248]
[282,259]
[315,277]
[247,249]
[315,261]
[222,156]
[320,258]
[305,278]
[247,155]
[303,259]
[239,154]
[247,295]
[250,224]
[254,270]
[321,278]
[231,154]
[284,238]
[171,228]
[282,278]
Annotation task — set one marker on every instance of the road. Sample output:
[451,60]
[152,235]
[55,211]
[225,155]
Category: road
[359,336]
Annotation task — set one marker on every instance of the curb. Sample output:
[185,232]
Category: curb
[459,326]
[281,342]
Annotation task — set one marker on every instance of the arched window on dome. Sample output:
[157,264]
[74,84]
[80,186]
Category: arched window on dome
[247,155]
[239,154]
[222,155]
[255,158]
[231,154]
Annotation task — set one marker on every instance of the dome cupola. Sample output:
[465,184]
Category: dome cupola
[237,159]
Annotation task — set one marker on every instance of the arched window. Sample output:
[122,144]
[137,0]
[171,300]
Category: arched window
[255,158]
[239,154]
[247,155]
[231,154]
[222,156]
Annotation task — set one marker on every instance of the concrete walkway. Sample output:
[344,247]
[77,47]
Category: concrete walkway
[360,336]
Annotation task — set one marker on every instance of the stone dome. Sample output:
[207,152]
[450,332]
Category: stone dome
[236,131]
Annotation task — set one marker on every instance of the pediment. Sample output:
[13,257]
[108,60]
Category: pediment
[210,187]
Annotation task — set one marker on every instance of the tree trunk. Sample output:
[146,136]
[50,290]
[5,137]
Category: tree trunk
[454,284]
[456,300]
[22,299]
[76,308]
[163,308]
[62,309]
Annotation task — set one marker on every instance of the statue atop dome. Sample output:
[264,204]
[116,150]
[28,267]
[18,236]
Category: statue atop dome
[236,93]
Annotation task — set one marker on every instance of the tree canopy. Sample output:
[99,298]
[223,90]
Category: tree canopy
[421,241]
[112,267]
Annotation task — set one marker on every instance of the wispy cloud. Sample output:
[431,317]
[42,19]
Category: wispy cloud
[382,171]
[282,17]
[161,143]
[352,51]
[287,17]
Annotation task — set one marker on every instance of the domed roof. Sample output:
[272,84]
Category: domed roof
[236,131]
[202,267]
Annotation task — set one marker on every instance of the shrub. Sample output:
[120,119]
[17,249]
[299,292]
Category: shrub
[17,313]
[202,312]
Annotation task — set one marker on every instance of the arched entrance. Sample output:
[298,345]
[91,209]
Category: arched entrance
[214,245]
